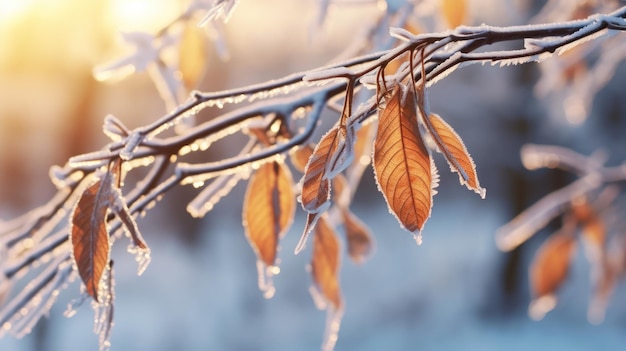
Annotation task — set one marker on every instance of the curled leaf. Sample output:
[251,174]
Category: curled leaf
[451,146]
[315,194]
[268,209]
[402,164]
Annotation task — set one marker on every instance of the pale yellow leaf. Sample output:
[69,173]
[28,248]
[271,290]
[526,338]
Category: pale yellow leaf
[192,59]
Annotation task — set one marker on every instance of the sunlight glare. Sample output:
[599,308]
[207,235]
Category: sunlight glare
[12,9]
[143,15]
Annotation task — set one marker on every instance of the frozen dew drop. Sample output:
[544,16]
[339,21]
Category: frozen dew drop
[318,299]
[266,279]
[6,326]
[539,307]
[142,257]
[418,238]
[333,323]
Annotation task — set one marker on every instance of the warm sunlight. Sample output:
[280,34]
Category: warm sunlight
[11,9]
[143,15]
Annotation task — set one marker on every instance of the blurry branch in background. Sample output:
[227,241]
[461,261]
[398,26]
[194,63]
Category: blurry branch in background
[590,209]
[97,204]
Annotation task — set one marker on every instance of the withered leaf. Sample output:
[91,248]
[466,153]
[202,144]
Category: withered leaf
[451,146]
[268,209]
[454,12]
[192,55]
[325,263]
[358,237]
[89,234]
[402,164]
[315,194]
[551,263]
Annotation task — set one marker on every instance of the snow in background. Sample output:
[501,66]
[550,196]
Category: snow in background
[454,292]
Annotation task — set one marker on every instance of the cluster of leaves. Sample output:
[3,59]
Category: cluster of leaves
[380,98]
[589,209]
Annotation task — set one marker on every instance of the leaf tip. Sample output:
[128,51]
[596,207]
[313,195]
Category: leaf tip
[482,192]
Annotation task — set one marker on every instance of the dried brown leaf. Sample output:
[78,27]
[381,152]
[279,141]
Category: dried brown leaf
[402,164]
[358,237]
[315,194]
[454,12]
[89,234]
[451,146]
[325,263]
[551,263]
[192,55]
[268,209]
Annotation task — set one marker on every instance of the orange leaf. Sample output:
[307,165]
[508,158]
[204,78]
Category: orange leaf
[268,209]
[358,237]
[192,55]
[89,234]
[551,263]
[325,263]
[315,186]
[451,146]
[402,164]
[454,12]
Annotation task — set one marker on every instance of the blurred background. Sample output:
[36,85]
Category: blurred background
[454,292]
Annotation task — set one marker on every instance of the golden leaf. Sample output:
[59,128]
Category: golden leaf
[89,234]
[402,164]
[315,194]
[325,263]
[192,55]
[268,209]
[454,12]
[451,146]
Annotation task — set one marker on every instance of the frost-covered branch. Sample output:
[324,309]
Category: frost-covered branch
[278,119]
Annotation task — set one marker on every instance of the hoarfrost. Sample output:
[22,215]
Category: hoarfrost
[212,194]
[266,278]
